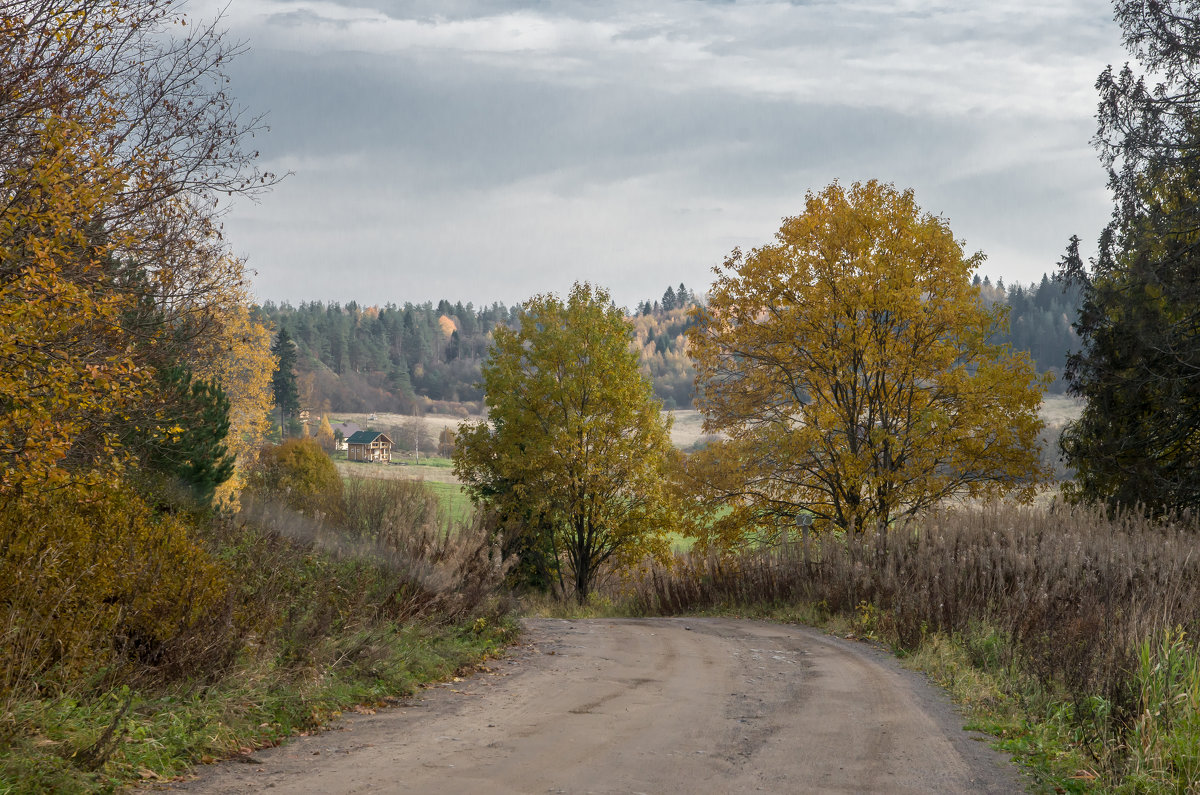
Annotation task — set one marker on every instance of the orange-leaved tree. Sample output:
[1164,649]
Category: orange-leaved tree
[849,366]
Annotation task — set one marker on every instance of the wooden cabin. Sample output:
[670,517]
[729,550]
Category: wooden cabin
[369,446]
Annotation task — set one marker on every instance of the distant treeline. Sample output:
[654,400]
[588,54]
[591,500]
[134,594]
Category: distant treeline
[1039,319]
[391,358]
[397,358]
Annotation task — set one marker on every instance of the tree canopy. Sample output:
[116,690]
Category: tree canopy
[850,367]
[575,450]
[116,139]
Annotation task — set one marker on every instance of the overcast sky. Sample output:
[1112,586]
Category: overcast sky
[489,151]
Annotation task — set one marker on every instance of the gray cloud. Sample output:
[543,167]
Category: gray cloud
[482,153]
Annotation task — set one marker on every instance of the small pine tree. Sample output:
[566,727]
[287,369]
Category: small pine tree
[283,383]
[191,450]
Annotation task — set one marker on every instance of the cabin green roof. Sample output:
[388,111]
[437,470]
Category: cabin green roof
[365,437]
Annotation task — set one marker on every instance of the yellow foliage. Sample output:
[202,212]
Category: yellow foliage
[65,363]
[237,356]
[575,446]
[849,365]
[110,255]
[299,473]
[89,577]
[325,436]
[447,325]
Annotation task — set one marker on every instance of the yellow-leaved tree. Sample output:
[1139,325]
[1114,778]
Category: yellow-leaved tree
[325,436]
[575,450]
[850,368]
[237,356]
[117,142]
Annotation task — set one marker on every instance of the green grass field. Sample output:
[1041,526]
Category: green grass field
[451,495]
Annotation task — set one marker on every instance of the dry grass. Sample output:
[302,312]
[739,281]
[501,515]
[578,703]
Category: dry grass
[354,469]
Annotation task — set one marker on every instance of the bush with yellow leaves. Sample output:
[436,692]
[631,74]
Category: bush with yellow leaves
[91,581]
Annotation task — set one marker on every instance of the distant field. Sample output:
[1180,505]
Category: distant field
[687,429]
[385,420]
[684,433]
[1057,410]
[456,503]
[439,476]
[431,474]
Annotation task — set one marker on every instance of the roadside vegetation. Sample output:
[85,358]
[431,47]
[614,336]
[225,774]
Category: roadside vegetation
[172,588]
[1067,634]
[313,599]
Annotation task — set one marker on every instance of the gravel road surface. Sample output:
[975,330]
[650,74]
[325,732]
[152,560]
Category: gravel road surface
[675,705]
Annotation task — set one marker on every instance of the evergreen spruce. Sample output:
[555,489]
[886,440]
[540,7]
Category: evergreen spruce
[1138,440]
[283,383]
[191,450]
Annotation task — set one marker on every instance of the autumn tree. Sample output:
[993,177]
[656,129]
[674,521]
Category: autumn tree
[446,442]
[1137,441]
[849,367]
[575,447]
[116,139]
[236,355]
[325,436]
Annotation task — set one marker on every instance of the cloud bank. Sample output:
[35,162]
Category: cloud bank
[481,152]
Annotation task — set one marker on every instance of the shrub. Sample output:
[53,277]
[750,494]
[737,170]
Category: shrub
[92,580]
[301,475]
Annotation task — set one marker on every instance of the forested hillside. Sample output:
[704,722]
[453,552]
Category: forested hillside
[394,358]
[424,356]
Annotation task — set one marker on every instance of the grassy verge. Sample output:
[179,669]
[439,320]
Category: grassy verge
[157,734]
[316,601]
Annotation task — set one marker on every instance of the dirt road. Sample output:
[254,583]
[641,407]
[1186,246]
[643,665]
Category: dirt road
[656,706]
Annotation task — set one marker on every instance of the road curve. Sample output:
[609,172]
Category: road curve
[649,705]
